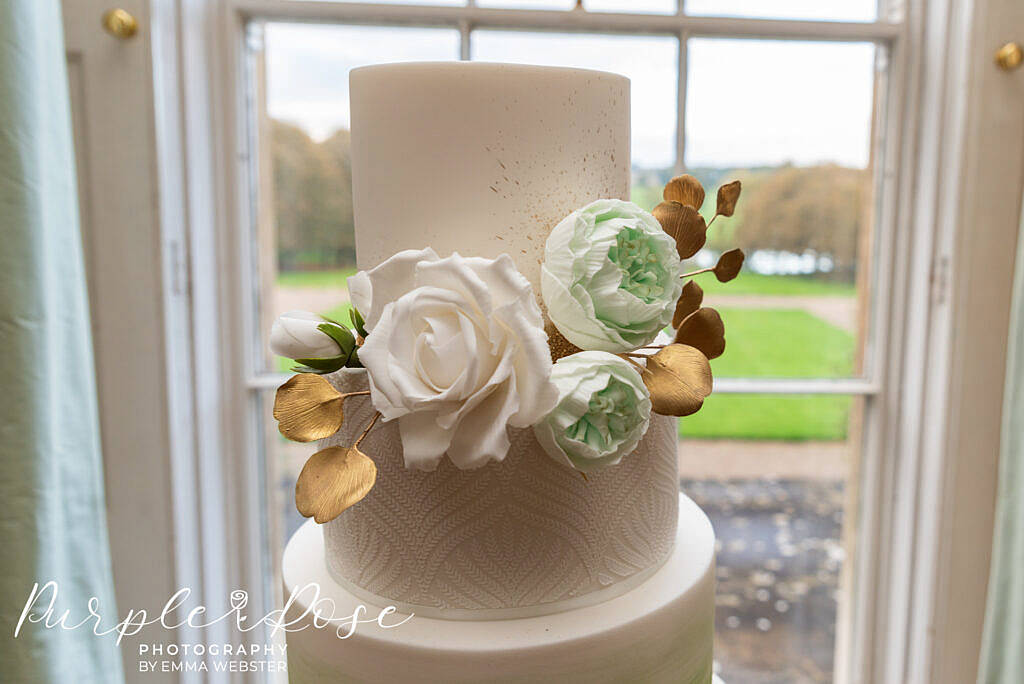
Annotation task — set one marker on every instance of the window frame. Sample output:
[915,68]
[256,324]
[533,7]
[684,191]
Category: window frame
[903,317]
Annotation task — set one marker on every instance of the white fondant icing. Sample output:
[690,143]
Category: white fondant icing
[524,536]
[482,159]
[661,631]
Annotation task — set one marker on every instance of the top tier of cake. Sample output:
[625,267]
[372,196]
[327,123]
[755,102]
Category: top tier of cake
[482,159]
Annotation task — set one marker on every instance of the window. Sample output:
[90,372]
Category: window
[796,109]
[836,10]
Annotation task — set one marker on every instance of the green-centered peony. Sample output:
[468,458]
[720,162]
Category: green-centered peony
[610,278]
[603,411]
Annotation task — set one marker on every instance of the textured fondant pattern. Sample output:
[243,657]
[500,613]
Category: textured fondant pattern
[524,532]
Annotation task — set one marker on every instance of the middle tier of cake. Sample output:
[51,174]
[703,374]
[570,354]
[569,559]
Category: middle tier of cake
[524,537]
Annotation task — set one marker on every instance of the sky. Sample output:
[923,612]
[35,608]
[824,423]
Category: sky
[749,102]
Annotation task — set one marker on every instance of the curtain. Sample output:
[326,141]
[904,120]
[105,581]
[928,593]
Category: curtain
[1002,651]
[52,521]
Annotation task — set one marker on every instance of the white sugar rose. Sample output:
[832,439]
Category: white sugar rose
[603,411]
[610,278]
[456,352]
[297,335]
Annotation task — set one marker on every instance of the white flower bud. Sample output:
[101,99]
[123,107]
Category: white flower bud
[295,336]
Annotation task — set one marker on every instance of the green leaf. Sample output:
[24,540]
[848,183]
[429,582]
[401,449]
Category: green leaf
[327,365]
[340,335]
[353,360]
[357,322]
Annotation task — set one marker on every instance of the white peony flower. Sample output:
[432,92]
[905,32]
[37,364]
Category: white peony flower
[296,335]
[456,352]
[610,278]
[602,413]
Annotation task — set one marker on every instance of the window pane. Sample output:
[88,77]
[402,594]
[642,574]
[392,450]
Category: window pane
[772,472]
[650,62]
[792,121]
[834,10]
[306,237]
[769,102]
[460,3]
[652,6]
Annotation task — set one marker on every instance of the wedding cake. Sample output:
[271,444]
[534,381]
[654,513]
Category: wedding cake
[496,429]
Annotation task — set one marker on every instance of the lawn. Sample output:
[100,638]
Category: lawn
[770,417]
[782,343]
[776,343]
[326,279]
[747,283]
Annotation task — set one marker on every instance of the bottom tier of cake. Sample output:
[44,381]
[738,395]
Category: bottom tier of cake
[661,631]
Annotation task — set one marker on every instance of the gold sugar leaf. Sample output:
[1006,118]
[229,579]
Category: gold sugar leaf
[689,301]
[703,330]
[686,190]
[729,265]
[684,224]
[308,408]
[678,378]
[332,480]
[728,194]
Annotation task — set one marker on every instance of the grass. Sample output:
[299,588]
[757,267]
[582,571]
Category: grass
[747,283]
[776,343]
[340,314]
[769,417]
[782,343]
[326,279]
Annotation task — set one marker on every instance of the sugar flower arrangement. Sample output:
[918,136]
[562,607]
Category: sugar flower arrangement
[456,349]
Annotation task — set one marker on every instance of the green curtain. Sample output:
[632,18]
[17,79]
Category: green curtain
[1002,652]
[52,520]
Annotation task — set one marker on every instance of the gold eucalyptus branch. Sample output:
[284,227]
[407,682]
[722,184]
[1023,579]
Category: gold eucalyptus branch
[698,272]
[335,478]
[629,357]
[366,431]
[308,408]
[727,267]
[678,378]
[678,375]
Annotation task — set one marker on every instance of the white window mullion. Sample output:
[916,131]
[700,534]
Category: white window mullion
[681,95]
[465,40]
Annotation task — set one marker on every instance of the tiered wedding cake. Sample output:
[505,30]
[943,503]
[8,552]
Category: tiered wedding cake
[523,570]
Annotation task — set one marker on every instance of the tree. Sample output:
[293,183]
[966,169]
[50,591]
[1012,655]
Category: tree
[821,208]
[312,199]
